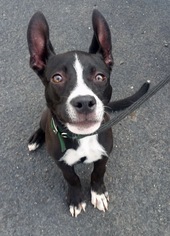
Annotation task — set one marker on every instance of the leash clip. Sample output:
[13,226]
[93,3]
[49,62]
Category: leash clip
[64,135]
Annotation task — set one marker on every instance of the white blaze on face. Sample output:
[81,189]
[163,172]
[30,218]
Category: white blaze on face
[81,89]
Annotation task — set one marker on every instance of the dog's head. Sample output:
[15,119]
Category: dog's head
[77,84]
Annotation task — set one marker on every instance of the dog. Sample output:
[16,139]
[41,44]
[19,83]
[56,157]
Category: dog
[78,94]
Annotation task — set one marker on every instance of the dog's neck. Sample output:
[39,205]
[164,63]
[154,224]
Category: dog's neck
[63,133]
[58,127]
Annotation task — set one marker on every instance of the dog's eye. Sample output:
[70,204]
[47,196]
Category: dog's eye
[57,79]
[100,78]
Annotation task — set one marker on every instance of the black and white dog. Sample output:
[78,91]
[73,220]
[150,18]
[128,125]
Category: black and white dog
[77,92]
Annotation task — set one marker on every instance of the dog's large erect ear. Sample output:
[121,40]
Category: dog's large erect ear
[101,41]
[38,42]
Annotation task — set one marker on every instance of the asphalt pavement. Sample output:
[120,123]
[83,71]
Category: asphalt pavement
[32,189]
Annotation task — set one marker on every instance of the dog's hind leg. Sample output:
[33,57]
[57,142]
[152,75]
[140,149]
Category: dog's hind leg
[38,137]
[36,140]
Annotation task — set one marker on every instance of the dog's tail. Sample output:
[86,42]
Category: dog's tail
[126,102]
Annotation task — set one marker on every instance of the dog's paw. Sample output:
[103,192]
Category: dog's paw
[36,140]
[32,146]
[75,211]
[100,201]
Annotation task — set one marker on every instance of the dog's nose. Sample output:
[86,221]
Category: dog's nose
[84,104]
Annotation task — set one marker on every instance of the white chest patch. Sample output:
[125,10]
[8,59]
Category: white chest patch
[89,147]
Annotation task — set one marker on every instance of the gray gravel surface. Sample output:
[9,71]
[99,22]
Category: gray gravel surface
[33,191]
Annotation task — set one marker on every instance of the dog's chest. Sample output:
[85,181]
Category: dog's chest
[89,149]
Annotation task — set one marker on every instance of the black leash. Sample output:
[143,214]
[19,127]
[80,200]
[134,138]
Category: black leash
[134,106]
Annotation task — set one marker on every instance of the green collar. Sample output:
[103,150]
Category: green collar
[60,135]
[63,135]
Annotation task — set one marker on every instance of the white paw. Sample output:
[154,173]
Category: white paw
[75,211]
[33,146]
[100,201]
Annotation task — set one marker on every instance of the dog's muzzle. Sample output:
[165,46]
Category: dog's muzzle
[86,114]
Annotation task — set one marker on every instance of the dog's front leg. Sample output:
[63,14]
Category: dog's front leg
[75,196]
[99,195]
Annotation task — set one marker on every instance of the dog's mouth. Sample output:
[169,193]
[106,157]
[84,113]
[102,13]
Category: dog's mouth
[83,127]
